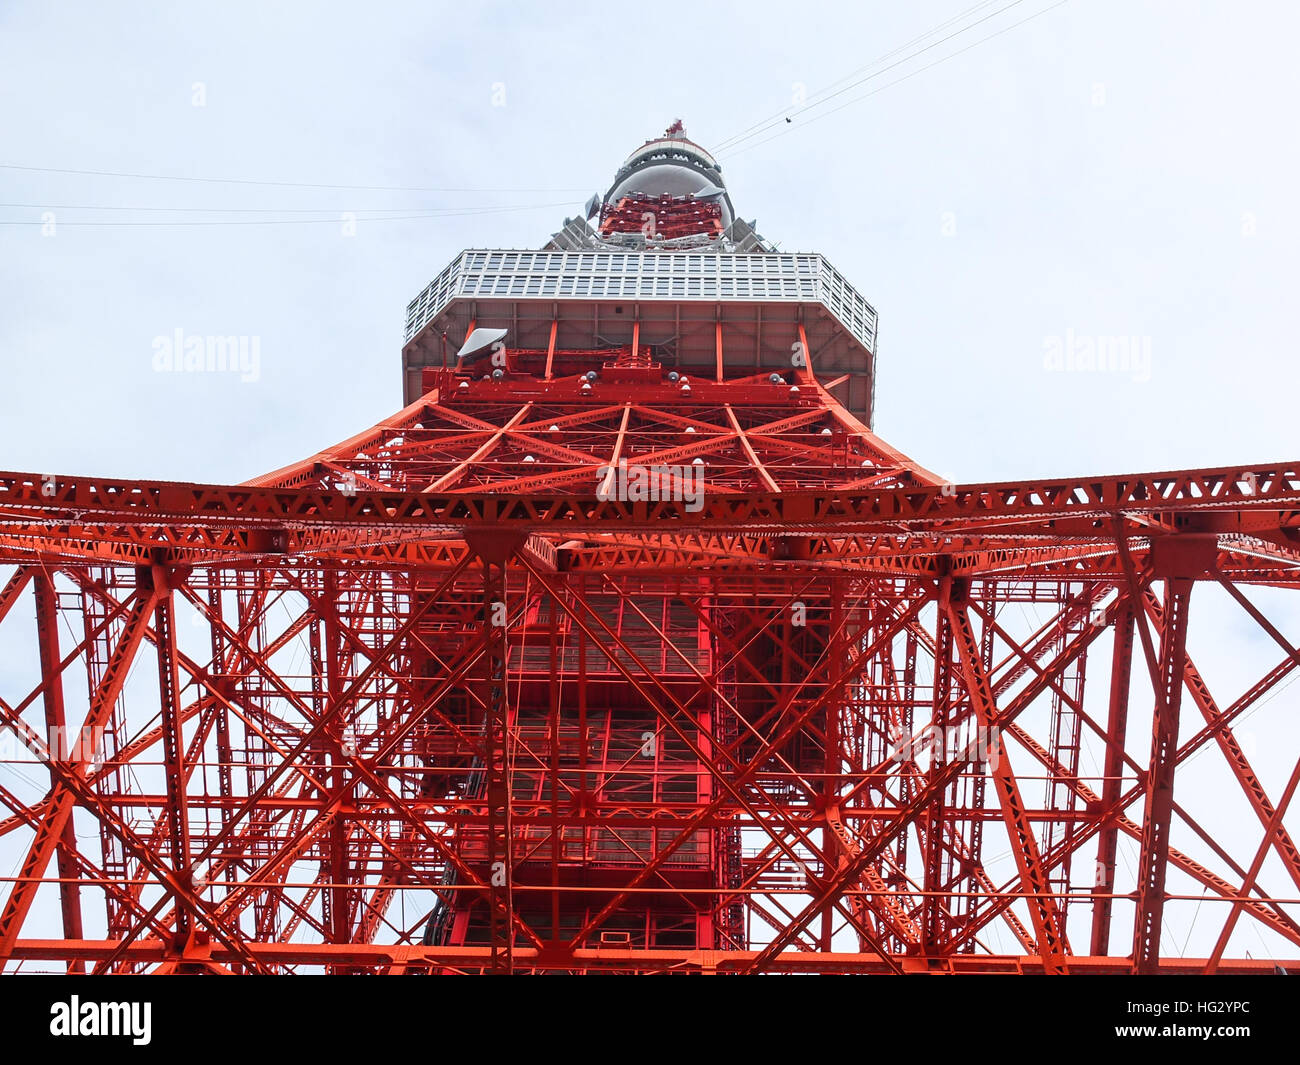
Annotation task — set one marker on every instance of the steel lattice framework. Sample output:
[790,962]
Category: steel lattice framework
[627,659]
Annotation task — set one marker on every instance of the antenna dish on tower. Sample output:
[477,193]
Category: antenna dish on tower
[479,343]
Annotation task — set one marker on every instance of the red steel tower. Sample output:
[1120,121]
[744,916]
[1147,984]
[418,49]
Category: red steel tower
[626,645]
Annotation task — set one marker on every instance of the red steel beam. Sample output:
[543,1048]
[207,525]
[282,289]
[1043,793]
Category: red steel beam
[1153,860]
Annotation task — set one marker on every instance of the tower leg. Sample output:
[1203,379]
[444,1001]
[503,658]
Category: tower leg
[1160,779]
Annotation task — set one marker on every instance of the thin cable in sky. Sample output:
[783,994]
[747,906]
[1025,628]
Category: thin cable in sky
[332,220]
[262,210]
[723,144]
[787,121]
[332,211]
[898,81]
[274,184]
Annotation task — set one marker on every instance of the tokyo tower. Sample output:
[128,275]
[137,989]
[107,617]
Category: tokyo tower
[627,646]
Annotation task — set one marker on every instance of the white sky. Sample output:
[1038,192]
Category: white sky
[1123,219]
[1112,169]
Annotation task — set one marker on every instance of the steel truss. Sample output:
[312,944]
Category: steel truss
[436,700]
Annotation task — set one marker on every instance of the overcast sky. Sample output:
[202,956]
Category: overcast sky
[1109,169]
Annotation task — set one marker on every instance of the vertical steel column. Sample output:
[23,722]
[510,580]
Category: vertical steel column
[62,749]
[1116,732]
[173,744]
[500,900]
[553,725]
[934,924]
[831,760]
[493,551]
[336,900]
[1160,778]
[220,680]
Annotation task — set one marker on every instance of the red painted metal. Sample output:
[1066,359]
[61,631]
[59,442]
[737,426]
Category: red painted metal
[633,677]
[666,217]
